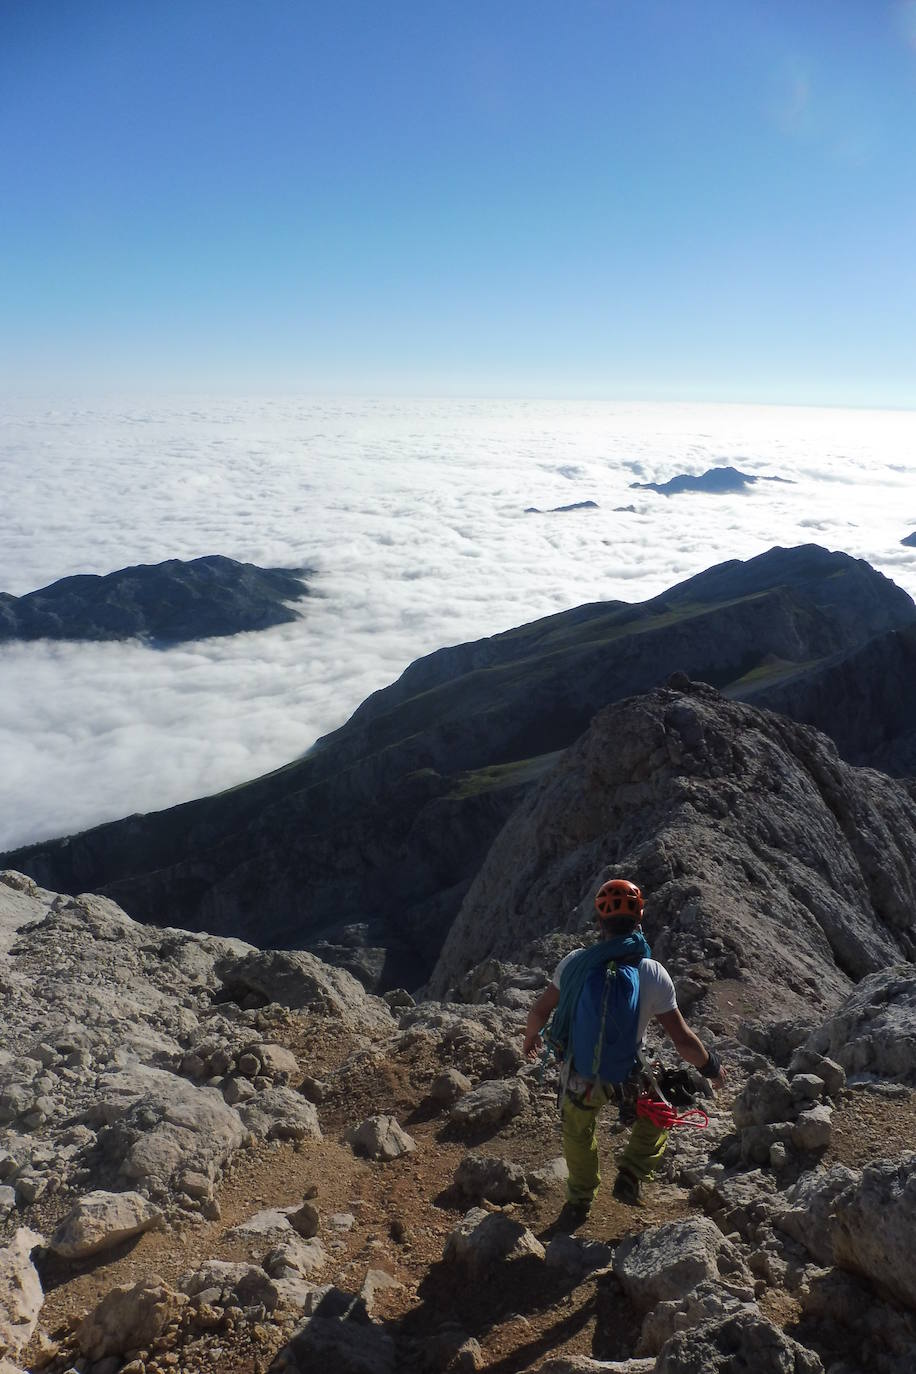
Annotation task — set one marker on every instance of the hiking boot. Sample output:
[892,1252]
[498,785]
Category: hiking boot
[573,1215]
[626,1188]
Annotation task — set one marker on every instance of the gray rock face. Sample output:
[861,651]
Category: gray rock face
[744,1340]
[99,1221]
[739,824]
[128,1317]
[490,1104]
[497,1180]
[873,1034]
[482,1240]
[166,603]
[664,1262]
[380,1137]
[21,1293]
[874,1228]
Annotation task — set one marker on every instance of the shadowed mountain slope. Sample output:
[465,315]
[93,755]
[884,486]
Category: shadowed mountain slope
[386,821]
[165,603]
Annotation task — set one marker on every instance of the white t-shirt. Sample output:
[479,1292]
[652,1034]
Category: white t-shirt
[656,990]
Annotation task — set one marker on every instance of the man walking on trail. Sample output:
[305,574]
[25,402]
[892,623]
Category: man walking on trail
[604,997]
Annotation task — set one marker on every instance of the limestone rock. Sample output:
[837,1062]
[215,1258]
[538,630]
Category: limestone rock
[873,1229]
[279,1113]
[21,1294]
[483,1239]
[708,1301]
[810,1208]
[549,1176]
[497,1180]
[873,1034]
[664,1262]
[306,1220]
[449,1086]
[102,1220]
[338,1335]
[831,1074]
[248,1284]
[295,1258]
[490,1104]
[130,1316]
[743,1340]
[577,1255]
[380,1137]
[813,1129]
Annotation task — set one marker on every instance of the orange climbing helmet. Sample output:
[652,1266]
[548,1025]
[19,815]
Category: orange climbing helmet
[618,897]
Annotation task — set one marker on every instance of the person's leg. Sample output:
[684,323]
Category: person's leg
[580,1146]
[644,1150]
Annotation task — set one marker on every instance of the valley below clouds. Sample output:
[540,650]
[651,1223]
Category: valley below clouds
[412,514]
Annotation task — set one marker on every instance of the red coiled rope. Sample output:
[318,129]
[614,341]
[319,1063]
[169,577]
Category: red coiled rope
[665,1117]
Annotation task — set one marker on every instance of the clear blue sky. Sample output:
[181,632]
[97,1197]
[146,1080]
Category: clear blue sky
[630,198]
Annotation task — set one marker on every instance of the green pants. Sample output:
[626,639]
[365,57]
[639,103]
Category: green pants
[642,1155]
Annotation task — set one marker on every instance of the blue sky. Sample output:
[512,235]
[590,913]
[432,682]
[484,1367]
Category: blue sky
[621,198]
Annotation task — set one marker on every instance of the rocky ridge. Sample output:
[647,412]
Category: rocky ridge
[162,603]
[244,1161]
[389,819]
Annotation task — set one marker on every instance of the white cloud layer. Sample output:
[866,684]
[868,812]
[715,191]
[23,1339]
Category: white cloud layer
[412,515]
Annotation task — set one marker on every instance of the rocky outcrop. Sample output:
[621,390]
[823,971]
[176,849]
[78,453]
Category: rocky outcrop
[757,846]
[388,820]
[132,1067]
[164,603]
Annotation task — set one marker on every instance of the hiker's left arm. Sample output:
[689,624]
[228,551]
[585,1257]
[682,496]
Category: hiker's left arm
[538,1017]
[688,1045]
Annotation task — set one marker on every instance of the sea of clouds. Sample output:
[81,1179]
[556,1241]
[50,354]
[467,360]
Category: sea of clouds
[412,516]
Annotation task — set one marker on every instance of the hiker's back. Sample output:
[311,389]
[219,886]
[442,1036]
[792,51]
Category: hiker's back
[605,1023]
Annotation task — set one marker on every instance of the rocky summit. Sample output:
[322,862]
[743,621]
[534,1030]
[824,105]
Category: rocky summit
[365,849]
[162,603]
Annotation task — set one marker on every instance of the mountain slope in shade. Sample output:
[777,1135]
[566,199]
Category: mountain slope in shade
[384,824]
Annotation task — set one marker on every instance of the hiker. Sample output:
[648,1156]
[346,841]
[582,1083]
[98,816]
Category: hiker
[604,997]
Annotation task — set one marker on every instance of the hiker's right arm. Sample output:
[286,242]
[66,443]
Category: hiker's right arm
[538,1017]
[688,1045]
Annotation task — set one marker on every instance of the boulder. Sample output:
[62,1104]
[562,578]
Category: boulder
[577,1255]
[21,1294]
[279,1113]
[449,1086]
[744,1340]
[813,1129]
[708,1301]
[338,1335]
[497,1180]
[490,1104]
[102,1220]
[246,1284]
[664,1262]
[482,1240]
[130,1316]
[295,1258]
[380,1137]
[766,1097]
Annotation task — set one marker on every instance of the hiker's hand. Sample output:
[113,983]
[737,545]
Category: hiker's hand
[719,1080]
[532,1046]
